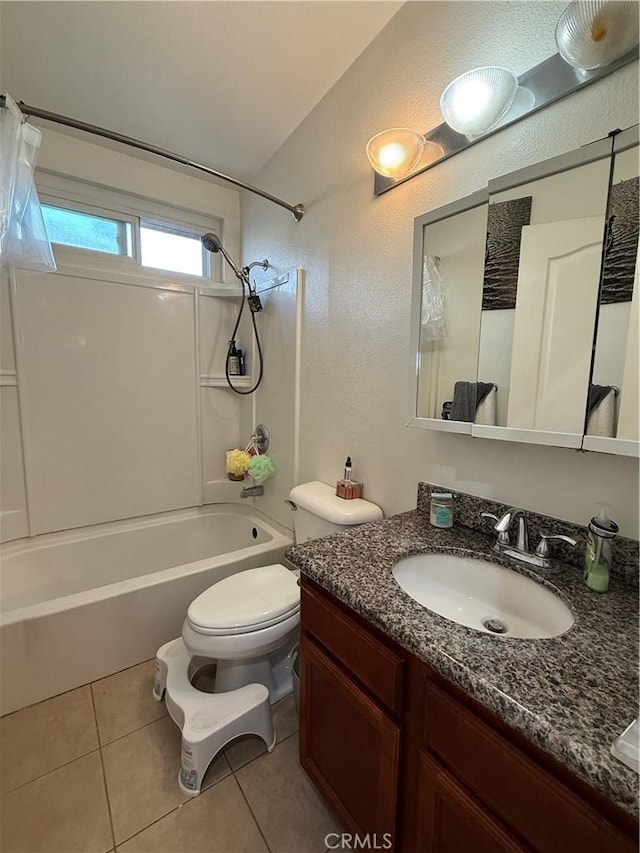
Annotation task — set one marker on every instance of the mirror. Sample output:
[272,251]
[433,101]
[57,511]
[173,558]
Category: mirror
[540,293]
[612,411]
[508,288]
[448,266]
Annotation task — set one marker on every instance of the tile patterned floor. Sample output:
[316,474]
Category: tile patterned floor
[95,770]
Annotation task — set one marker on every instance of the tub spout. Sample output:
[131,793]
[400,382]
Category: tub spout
[252,492]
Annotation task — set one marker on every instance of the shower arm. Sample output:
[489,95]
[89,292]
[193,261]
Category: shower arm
[296,209]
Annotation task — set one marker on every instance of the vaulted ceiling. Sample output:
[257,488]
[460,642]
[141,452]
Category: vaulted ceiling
[224,83]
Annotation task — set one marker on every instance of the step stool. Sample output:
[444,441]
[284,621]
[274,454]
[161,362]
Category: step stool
[208,721]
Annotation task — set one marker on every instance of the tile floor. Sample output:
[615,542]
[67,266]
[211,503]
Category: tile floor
[95,770]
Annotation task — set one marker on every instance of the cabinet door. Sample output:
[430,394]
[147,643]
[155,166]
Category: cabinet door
[348,746]
[450,821]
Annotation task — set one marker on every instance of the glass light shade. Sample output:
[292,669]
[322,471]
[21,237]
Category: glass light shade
[395,152]
[474,102]
[594,33]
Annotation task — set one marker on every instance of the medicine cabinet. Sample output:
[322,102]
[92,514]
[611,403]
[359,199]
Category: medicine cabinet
[525,309]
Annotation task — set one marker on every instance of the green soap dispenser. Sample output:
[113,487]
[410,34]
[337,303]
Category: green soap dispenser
[597,558]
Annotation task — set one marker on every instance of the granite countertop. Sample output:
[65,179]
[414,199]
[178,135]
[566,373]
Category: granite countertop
[571,695]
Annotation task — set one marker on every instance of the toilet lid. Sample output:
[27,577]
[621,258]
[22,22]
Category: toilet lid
[251,599]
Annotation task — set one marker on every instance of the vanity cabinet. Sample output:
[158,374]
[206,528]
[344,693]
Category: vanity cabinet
[393,747]
[349,732]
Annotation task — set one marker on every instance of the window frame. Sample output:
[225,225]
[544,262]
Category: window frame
[85,197]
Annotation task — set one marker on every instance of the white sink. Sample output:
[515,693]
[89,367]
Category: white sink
[474,592]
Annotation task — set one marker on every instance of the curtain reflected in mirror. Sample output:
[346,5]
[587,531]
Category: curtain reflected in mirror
[452,265]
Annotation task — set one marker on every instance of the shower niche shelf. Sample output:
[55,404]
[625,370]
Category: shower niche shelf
[220,381]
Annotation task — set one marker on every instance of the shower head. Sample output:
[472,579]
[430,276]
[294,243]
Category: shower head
[212,243]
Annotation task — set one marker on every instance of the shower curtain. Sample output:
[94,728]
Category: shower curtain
[23,237]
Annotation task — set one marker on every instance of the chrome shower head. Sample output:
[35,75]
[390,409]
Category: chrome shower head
[211,242]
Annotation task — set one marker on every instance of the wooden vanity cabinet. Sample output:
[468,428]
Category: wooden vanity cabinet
[395,748]
[349,730]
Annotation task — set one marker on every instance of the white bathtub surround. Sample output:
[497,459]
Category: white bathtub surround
[77,606]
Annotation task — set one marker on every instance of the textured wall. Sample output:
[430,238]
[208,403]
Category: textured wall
[356,250]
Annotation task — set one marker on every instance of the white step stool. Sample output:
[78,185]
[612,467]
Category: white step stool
[208,721]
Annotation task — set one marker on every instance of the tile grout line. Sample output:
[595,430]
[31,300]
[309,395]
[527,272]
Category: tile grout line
[104,773]
[179,806]
[237,781]
[244,797]
[48,772]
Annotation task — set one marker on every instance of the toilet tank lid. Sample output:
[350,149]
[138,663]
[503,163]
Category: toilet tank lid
[321,500]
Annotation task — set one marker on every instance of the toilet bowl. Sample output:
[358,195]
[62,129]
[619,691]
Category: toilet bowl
[248,623]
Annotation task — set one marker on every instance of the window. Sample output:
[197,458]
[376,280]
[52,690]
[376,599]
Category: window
[88,231]
[165,248]
[128,231]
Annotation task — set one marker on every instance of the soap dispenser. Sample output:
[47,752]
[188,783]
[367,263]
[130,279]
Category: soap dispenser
[597,558]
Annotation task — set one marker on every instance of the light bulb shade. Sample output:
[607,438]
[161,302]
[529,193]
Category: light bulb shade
[594,33]
[476,101]
[395,152]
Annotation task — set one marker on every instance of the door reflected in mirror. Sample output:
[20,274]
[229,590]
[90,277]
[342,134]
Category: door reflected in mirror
[540,293]
[613,400]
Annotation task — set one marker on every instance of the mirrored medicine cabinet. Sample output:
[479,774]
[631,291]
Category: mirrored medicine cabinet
[525,305]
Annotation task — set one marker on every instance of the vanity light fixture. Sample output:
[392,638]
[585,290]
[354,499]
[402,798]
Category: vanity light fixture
[594,33]
[395,152]
[476,101]
[594,38]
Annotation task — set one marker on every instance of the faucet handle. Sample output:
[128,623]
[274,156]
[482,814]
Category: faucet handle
[488,515]
[503,534]
[543,548]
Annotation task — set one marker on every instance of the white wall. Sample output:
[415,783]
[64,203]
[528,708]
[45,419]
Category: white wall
[116,395]
[357,254]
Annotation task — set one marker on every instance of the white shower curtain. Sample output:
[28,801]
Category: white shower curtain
[23,237]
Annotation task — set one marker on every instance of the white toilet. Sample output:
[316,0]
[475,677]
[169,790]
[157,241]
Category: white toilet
[248,624]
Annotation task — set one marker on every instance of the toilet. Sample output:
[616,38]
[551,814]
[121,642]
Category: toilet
[248,625]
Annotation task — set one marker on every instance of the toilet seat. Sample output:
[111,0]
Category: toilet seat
[246,602]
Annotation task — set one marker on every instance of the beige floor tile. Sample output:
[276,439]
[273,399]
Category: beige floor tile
[124,702]
[142,776]
[45,736]
[288,810]
[218,821]
[245,749]
[62,812]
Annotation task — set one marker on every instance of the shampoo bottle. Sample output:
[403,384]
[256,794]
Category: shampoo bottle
[232,359]
[597,558]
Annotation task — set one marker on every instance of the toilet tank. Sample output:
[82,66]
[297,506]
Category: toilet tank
[319,511]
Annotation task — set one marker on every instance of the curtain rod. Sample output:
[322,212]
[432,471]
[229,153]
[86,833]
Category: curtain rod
[297,210]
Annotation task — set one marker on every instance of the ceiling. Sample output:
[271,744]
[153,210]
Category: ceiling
[223,83]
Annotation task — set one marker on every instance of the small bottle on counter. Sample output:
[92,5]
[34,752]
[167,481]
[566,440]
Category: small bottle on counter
[347,488]
[441,509]
[597,558]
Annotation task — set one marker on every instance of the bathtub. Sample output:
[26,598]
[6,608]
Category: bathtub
[79,605]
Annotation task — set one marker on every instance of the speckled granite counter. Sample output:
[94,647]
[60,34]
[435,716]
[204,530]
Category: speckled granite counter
[571,695]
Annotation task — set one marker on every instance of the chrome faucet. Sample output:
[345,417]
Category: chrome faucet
[252,492]
[504,525]
[520,551]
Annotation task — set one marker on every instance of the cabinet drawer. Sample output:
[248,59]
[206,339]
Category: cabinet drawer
[377,667]
[519,792]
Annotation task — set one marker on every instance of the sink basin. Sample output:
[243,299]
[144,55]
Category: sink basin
[483,596]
